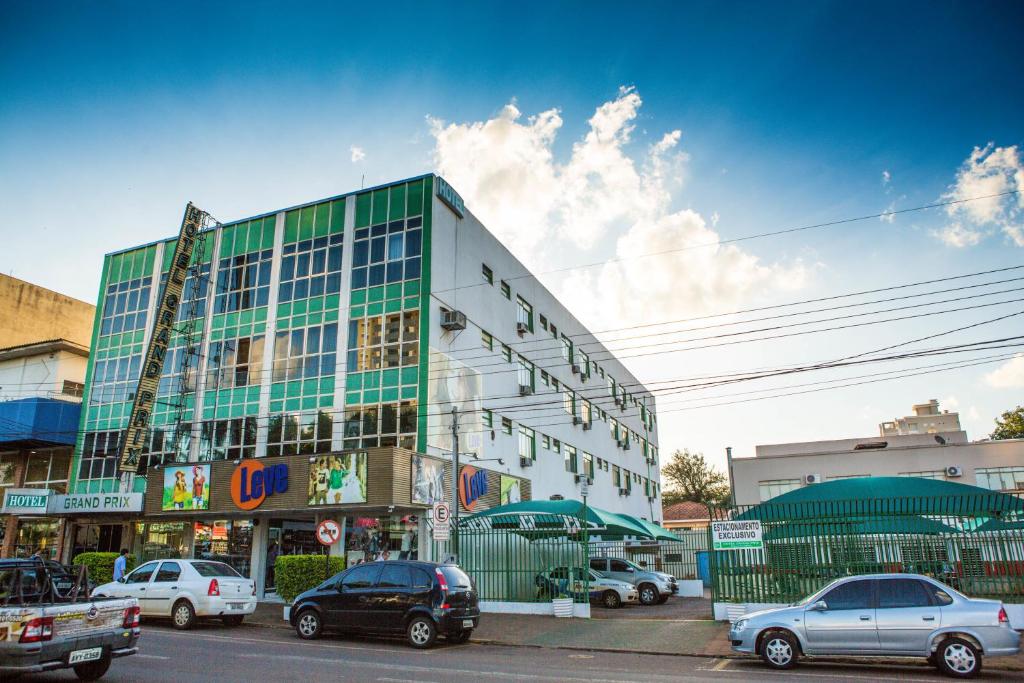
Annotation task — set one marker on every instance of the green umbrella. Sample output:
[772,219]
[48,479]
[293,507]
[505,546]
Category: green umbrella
[656,532]
[552,517]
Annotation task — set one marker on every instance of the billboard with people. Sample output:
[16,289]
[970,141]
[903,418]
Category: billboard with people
[186,487]
[427,480]
[337,479]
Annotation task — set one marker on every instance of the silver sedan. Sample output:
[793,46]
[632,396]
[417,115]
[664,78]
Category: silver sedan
[899,615]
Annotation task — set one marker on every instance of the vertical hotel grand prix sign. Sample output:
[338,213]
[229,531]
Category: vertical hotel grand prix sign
[153,361]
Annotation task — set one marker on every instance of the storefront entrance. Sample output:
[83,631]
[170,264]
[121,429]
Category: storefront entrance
[228,541]
[288,537]
[40,535]
[101,538]
[394,537]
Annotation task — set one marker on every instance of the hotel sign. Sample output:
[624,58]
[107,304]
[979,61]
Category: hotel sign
[25,501]
[153,361]
[449,196]
[95,502]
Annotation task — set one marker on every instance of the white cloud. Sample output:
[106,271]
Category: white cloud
[950,403]
[506,170]
[358,154]
[1009,375]
[886,177]
[987,171]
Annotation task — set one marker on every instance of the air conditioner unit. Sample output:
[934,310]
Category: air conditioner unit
[575,368]
[522,328]
[453,321]
[576,419]
[812,478]
[625,444]
[954,471]
[525,390]
[623,492]
[525,462]
[587,425]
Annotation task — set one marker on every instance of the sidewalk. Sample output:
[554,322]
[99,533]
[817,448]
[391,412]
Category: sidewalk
[679,637]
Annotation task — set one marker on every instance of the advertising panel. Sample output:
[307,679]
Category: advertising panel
[336,479]
[510,492]
[737,535]
[186,487]
[427,480]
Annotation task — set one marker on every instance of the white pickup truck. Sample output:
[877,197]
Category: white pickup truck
[46,626]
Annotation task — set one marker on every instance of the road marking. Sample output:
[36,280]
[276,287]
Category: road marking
[721,665]
[293,643]
[581,656]
[143,655]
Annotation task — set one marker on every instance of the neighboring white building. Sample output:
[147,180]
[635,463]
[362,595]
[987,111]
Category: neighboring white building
[778,468]
[48,369]
[927,419]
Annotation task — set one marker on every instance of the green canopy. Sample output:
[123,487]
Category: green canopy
[552,516]
[1001,525]
[656,531]
[858,526]
[884,496]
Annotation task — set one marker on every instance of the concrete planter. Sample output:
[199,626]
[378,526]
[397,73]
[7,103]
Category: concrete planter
[562,607]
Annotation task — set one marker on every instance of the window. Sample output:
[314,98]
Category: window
[387,252]
[311,268]
[115,379]
[125,305]
[600,565]
[527,443]
[394,576]
[850,595]
[363,576]
[1000,478]
[545,378]
[896,593]
[616,477]
[169,571]
[524,313]
[556,445]
[99,455]
[926,474]
[586,412]
[420,578]
[7,468]
[570,459]
[236,362]
[506,353]
[385,424]
[567,349]
[525,373]
[303,433]
[506,425]
[243,281]
[588,465]
[506,291]
[776,487]
[584,361]
[388,341]
[569,401]
[72,388]
[228,439]
[214,569]
[619,566]
[486,340]
[487,273]
[142,574]
[545,442]
[47,470]
[304,353]
[543,322]
[488,418]
[613,429]
[553,330]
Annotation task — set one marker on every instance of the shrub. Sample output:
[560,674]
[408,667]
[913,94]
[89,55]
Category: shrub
[296,574]
[101,565]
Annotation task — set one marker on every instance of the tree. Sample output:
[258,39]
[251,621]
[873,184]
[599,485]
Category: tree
[690,477]
[1010,425]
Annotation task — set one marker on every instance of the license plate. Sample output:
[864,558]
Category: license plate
[467,623]
[88,655]
[236,605]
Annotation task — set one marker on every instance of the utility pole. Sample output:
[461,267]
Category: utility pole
[455,482]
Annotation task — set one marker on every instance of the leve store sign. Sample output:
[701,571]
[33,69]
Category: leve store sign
[25,501]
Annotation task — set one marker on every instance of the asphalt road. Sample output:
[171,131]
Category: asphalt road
[252,655]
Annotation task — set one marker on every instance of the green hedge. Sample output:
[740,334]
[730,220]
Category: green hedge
[296,574]
[101,565]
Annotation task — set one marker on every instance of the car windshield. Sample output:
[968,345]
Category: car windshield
[210,569]
[820,591]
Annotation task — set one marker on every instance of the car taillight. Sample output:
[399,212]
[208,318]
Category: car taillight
[1003,617]
[214,588]
[131,617]
[37,630]
[445,605]
[440,579]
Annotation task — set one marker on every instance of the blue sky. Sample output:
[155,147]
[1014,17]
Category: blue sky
[789,114]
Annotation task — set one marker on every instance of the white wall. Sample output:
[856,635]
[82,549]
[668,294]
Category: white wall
[460,247]
[40,375]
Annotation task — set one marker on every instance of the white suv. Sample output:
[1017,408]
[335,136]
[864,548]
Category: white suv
[186,590]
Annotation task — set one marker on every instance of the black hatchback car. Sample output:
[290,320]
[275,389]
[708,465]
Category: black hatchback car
[418,599]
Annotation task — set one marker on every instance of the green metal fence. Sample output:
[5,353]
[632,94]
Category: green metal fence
[974,544]
[678,558]
[513,561]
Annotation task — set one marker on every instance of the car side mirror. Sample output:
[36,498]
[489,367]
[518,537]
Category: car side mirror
[123,579]
[340,587]
[630,570]
[819,606]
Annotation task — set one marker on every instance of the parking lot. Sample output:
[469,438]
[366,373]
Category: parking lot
[676,609]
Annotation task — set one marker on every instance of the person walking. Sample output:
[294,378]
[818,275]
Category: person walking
[121,564]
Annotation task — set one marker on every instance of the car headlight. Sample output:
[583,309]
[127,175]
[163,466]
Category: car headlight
[741,624]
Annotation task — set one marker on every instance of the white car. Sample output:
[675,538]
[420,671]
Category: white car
[186,590]
[604,591]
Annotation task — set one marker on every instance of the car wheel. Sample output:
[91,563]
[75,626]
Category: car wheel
[92,671]
[779,650]
[460,637]
[233,619]
[958,658]
[648,594]
[183,615]
[308,625]
[611,600]
[421,632]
